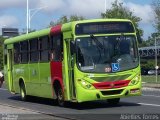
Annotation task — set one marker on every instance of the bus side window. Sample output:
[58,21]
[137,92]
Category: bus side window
[5,54]
[17,54]
[56,48]
[34,53]
[44,48]
[24,51]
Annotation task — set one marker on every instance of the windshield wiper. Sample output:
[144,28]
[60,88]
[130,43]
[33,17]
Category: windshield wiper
[98,45]
[97,42]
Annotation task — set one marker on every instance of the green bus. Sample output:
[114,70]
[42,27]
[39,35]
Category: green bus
[79,61]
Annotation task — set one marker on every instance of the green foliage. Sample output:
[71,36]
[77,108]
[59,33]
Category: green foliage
[1,52]
[149,64]
[1,56]
[143,44]
[65,19]
[119,11]
[156,8]
[151,40]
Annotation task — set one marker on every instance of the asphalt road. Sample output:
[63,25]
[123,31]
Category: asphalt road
[129,108]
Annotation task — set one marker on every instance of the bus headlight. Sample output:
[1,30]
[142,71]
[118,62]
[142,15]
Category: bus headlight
[135,80]
[86,84]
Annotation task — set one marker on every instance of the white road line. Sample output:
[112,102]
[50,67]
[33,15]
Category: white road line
[155,105]
[3,89]
[150,95]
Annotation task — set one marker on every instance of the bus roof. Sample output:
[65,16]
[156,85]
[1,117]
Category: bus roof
[65,27]
[28,36]
[70,25]
[102,20]
[99,20]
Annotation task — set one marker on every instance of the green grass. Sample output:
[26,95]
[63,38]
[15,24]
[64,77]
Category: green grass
[150,78]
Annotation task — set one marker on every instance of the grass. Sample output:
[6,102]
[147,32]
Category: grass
[150,78]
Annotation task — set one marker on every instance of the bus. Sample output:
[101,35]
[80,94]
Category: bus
[79,61]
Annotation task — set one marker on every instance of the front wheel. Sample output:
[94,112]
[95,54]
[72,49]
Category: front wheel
[23,92]
[114,101]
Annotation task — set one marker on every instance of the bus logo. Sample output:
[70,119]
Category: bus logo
[112,85]
[115,67]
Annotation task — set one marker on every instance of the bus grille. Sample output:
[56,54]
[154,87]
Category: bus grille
[112,92]
[110,85]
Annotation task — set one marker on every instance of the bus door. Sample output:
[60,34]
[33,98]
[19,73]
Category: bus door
[10,69]
[70,57]
[56,58]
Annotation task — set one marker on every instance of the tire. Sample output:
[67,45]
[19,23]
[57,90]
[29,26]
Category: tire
[114,101]
[60,97]
[23,92]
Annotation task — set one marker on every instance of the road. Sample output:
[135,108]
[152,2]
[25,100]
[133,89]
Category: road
[148,103]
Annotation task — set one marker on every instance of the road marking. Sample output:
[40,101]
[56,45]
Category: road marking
[3,89]
[155,105]
[150,95]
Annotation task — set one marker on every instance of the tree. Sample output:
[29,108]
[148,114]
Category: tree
[1,52]
[119,11]
[156,8]
[65,19]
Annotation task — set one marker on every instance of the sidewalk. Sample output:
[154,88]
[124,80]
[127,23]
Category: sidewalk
[7,109]
[151,85]
[12,113]
[8,112]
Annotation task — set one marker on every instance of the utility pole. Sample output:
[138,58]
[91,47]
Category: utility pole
[105,6]
[27,20]
[29,15]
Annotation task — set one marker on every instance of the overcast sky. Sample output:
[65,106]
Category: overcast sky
[13,12]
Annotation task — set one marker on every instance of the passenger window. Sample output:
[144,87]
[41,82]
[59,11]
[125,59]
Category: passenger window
[34,45]
[24,52]
[17,54]
[34,53]
[56,48]
[5,54]
[44,48]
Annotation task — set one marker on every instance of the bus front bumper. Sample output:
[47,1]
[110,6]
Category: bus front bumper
[84,95]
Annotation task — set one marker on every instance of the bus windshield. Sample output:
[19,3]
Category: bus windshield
[101,54]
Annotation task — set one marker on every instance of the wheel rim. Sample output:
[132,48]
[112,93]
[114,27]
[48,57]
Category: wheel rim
[22,93]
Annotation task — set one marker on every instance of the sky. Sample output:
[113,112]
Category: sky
[13,12]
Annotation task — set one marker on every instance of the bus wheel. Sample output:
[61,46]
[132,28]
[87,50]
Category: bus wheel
[23,92]
[60,97]
[114,101]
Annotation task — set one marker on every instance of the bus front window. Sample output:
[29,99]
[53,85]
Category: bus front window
[99,53]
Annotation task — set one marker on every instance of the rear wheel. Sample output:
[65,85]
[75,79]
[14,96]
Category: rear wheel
[60,97]
[23,92]
[114,101]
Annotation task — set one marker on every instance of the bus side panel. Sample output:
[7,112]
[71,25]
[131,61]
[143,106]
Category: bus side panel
[45,80]
[56,73]
[34,82]
[6,77]
[21,71]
